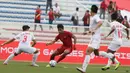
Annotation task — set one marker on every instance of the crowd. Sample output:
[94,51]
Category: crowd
[110,9]
[54,12]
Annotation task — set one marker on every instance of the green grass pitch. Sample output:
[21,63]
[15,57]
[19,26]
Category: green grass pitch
[24,67]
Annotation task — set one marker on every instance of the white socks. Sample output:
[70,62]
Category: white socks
[103,54]
[35,57]
[109,63]
[9,58]
[116,61]
[86,62]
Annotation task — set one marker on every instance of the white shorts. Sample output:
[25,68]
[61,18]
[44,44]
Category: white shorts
[29,50]
[94,43]
[114,47]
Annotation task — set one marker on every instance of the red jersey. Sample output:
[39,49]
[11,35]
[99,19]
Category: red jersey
[85,19]
[51,15]
[66,38]
[103,5]
[38,12]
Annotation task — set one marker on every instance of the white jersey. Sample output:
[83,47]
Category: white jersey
[25,38]
[118,27]
[96,38]
[93,23]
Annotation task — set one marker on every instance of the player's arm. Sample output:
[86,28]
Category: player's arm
[110,32]
[99,24]
[7,42]
[127,32]
[33,42]
[52,42]
[75,40]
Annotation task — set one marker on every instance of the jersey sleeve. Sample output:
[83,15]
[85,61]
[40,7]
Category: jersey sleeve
[97,19]
[70,34]
[18,36]
[124,27]
[33,38]
[112,26]
[57,38]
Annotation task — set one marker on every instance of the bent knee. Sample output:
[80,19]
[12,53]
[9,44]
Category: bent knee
[15,54]
[37,51]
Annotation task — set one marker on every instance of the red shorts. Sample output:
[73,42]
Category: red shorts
[64,48]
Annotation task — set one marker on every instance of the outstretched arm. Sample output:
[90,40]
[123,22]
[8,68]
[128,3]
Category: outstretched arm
[34,43]
[75,40]
[50,43]
[127,32]
[110,32]
[7,42]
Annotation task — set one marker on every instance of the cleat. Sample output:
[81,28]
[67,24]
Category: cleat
[80,69]
[5,63]
[105,68]
[35,65]
[48,65]
[117,66]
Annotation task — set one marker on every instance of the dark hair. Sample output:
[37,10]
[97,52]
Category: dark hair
[39,6]
[87,11]
[114,16]
[25,27]
[125,17]
[60,26]
[77,9]
[94,8]
[110,2]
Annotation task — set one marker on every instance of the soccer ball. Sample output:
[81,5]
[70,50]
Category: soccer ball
[52,63]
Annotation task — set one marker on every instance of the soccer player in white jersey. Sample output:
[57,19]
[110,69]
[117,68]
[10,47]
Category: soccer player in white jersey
[116,28]
[25,39]
[94,29]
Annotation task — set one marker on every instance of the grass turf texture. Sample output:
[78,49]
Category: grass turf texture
[24,67]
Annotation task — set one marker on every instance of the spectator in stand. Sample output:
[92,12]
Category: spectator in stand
[51,17]
[49,3]
[120,18]
[56,9]
[103,7]
[75,19]
[125,22]
[114,6]
[38,18]
[110,10]
[86,20]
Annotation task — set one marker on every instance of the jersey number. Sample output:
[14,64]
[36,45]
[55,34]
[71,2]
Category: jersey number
[25,38]
[119,33]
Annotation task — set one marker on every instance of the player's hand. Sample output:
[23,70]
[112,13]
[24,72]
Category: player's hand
[85,33]
[47,44]
[74,47]
[105,37]
[128,37]
[1,44]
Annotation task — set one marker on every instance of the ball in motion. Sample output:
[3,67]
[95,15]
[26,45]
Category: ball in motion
[52,63]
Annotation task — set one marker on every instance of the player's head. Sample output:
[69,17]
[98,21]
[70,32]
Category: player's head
[114,16]
[77,8]
[94,9]
[25,27]
[60,28]
[38,6]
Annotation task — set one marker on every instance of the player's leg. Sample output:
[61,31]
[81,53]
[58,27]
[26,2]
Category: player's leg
[34,51]
[16,52]
[55,53]
[93,45]
[65,53]
[112,48]
[86,60]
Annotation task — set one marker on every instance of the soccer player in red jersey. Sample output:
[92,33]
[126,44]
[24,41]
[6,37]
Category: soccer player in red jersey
[66,39]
